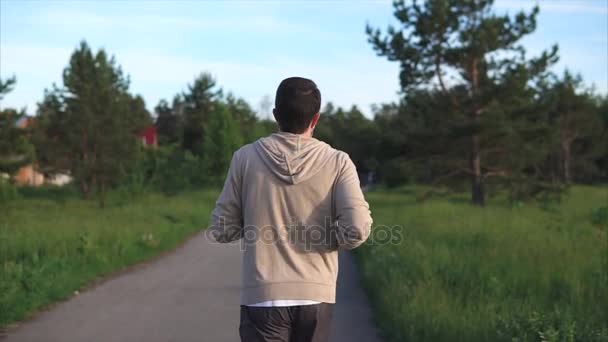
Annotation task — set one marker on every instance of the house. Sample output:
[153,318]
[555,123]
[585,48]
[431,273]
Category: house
[25,121]
[149,137]
[27,175]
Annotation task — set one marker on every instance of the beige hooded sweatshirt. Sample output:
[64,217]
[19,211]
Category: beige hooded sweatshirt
[291,202]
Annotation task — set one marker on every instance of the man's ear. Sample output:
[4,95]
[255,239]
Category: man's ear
[314,120]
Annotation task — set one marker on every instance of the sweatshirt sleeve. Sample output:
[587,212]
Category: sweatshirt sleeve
[353,218]
[227,217]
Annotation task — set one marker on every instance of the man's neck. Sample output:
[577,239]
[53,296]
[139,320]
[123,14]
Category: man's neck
[307,134]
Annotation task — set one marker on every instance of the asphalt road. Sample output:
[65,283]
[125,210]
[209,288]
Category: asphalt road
[191,294]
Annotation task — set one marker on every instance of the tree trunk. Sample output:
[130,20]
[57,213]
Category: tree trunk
[85,189]
[566,162]
[477,190]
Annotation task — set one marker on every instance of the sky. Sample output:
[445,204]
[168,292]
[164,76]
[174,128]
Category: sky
[250,46]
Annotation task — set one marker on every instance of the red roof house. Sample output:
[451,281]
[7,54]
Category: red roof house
[148,136]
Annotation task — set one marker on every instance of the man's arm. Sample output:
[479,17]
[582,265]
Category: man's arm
[353,217]
[227,217]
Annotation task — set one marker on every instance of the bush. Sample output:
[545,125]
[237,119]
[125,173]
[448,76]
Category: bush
[395,172]
[599,216]
[8,191]
[51,192]
[177,170]
[169,169]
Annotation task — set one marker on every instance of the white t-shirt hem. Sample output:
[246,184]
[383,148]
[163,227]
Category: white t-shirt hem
[284,302]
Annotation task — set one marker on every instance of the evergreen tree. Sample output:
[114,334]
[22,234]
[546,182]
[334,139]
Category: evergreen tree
[15,147]
[222,138]
[168,124]
[351,131]
[7,86]
[577,127]
[470,59]
[52,153]
[601,161]
[197,104]
[92,121]
[243,115]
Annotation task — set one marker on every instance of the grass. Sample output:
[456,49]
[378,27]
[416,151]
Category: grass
[52,243]
[531,272]
[458,273]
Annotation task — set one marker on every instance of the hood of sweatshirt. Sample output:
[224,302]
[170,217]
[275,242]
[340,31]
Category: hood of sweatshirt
[291,157]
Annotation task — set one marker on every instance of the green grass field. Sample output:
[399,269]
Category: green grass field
[458,273]
[501,273]
[52,243]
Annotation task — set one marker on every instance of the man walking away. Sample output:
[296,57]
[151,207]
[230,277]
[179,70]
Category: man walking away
[293,201]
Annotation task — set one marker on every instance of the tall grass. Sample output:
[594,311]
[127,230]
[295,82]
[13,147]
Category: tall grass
[531,272]
[52,243]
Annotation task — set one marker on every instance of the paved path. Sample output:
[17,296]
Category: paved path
[189,295]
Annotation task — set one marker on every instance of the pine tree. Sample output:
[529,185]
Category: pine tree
[222,138]
[243,115]
[601,162]
[168,124]
[92,121]
[480,81]
[52,153]
[578,128]
[351,131]
[7,86]
[197,104]
[15,147]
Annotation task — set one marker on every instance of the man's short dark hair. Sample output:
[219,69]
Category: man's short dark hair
[296,103]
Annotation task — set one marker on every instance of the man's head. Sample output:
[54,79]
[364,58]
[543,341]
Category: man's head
[297,105]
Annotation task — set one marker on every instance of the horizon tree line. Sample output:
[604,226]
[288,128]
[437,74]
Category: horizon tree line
[475,112]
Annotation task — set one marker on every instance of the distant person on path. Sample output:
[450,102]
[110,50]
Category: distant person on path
[292,201]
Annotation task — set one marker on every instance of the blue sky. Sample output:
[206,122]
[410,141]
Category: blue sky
[250,46]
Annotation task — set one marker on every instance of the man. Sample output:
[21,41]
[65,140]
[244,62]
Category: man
[294,201]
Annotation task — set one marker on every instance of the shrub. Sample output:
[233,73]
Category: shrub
[599,216]
[7,191]
[395,172]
